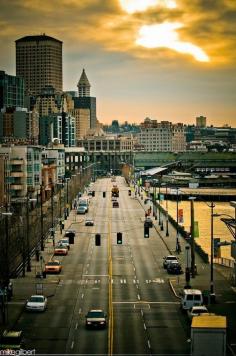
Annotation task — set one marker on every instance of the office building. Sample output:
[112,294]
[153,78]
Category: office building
[11,91]
[161,136]
[18,125]
[82,122]
[39,63]
[57,128]
[201,121]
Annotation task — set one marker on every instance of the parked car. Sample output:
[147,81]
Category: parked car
[174,267]
[36,303]
[60,250]
[197,310]
[82,209]
[168,259]
[115,204]
[89,222]
[53,267]
[148,222]
[12,340]
[64,242]
[96,318]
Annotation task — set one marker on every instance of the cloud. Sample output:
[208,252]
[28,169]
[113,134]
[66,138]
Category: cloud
[208,25]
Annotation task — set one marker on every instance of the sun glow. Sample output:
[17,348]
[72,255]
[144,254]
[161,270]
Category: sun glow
[132,6]
[165,36]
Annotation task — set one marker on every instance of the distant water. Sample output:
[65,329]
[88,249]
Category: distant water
[203,215]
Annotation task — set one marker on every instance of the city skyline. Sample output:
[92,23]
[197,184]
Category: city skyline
[164,59]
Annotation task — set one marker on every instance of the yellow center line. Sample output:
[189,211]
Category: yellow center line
[110,331]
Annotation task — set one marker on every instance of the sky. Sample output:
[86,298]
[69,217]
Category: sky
[163,59]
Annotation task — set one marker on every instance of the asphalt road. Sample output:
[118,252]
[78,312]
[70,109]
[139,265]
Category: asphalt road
[127,281]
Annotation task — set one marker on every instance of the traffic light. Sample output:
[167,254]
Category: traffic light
[146,231]
[104,194]
[97,240]
[119,238]
[216,247]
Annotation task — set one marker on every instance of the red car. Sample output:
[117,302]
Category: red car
[60,250]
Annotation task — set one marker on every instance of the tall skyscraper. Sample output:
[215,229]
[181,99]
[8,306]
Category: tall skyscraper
[39,63]
[85,101]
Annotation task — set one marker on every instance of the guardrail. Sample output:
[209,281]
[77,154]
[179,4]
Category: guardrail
[224,262]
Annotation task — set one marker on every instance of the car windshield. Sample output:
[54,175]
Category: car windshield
[171,258]
[64,241]
[53,263]
[36,299]
[198,311]
[95,314]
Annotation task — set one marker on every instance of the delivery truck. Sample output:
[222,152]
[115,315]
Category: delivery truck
[208,335]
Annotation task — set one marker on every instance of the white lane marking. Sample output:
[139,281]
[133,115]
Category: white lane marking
[134,268]
[138,297]
[72,345]
[86,281]
[145,328]
[121,281]
[87,264]
[136,286]
[80,310]
[134,281]
[97,275]
[76,326]
[82,296]
[125,281]
[145,302]
[142,312]
[149,345]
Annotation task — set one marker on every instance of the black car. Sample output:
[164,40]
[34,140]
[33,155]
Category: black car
[174,267]
[148,222]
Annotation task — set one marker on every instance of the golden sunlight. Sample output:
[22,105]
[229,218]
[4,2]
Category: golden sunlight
[165,36]
[132,6]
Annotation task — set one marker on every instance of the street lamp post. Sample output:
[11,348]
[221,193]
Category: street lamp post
[159,200]
[212,251]
[41,219]
[52,228]
[167,216]
[28,200]
[177,219]
[192,241]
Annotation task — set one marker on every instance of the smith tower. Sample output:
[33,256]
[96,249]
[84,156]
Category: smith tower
[85,101]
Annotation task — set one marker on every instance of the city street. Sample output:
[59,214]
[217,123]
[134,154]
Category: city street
[127,281]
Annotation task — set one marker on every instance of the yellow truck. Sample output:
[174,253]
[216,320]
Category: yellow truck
[208,335]
[115,191]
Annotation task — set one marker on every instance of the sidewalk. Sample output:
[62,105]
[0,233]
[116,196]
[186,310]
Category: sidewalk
[24,287]
[225,293]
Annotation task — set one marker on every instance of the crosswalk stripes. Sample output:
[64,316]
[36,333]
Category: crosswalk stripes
[116,281]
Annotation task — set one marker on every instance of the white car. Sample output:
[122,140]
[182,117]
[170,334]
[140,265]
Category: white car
[168,259]
[64,242]
[89,222]
[96,318]
[197,310]
[36,303]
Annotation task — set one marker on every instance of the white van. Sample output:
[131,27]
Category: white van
[190,298]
